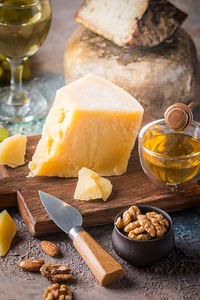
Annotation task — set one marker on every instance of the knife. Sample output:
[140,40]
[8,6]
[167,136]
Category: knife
[104,267]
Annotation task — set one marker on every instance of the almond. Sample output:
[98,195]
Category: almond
[32,264]
[50,248]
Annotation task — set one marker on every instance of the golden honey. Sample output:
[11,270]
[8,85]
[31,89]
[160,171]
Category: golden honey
[172,157]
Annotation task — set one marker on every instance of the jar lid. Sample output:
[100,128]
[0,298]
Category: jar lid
[178,117]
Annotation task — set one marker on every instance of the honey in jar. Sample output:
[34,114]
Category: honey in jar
[172,157]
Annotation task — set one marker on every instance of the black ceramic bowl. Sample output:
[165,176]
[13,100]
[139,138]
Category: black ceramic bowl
[143,253]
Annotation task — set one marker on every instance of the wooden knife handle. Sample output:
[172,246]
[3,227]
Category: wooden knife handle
[104,267]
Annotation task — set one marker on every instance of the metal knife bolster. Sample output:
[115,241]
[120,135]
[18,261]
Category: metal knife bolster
[74,231]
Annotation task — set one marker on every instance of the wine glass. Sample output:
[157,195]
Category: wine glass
[24,25]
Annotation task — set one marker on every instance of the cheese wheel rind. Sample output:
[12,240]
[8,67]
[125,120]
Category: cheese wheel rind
[156,77]
[144,23]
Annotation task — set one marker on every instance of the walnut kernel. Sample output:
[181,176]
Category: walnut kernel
[146,224]
[58,292]
[160,224]
[131,226]
[56,273]
[128,216]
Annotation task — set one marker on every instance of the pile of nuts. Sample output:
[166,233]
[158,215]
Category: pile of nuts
[55,273]
[142,227]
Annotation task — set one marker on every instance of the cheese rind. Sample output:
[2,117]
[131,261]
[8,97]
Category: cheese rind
[92,123]
[91,186]
[144,23]
[155,76]
[8,230]
[12,151]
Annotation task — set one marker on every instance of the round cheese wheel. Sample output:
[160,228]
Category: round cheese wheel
[156,77]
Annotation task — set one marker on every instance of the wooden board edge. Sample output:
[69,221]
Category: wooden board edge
[26,214]
[40,228]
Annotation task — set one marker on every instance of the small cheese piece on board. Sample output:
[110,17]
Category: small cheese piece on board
[94,124]
[156,77]
[91,186]
[12,151]
[7,232]
[144,23]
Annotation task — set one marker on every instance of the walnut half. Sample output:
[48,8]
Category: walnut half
[56,273]
[58,292]
[128,216]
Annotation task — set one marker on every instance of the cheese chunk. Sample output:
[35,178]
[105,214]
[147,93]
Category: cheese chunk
[93,123]
[144,23]
[91,186]
[12,151]
[7,232]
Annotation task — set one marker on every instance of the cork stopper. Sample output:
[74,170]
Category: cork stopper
[178,117]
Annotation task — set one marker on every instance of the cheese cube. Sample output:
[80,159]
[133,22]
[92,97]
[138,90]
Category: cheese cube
[7,232]
[91,186]
[93,123]
[12,151]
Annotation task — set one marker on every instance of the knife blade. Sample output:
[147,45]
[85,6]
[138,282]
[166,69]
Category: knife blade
[58,210]
[104,267]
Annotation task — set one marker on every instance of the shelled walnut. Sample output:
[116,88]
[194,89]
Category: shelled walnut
[56,273]
[142,227]
[128,216]
[159,222]
[58,292]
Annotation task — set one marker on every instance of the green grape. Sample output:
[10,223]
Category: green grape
[5,69]
[5,65]
[27,69]
[1,67]
[1,72]
[6,75]
[3,133]
[2,57]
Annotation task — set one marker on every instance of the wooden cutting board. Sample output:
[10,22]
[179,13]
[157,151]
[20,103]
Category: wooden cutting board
[134,187]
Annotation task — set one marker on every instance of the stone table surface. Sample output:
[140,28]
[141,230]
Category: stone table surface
[175,278]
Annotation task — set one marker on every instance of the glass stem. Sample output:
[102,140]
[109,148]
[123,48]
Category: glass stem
[17,96]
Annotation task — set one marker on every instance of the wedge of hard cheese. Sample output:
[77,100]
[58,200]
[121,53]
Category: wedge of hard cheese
[91,186]
[8,230]
[144,23]
[12,151]
[94,124]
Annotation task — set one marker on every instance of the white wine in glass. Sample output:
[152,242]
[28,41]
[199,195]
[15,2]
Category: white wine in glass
[24,25]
